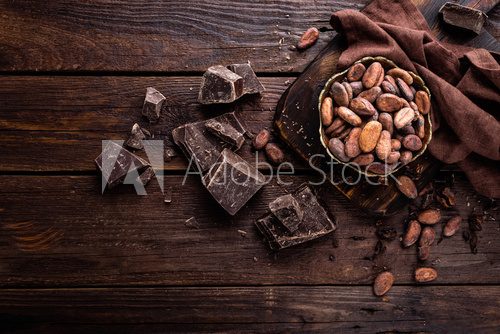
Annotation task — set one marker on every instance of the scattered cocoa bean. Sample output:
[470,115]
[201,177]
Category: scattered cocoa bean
[261,139]
[339,94]
[369,136]
[383,283]
[383,148]
[412,233]
[362,107]
[371,94]
[424,252]
[388,102]
[308,39]
[356,72]
[401,74]
[352,149]
[406,186]
[403,117]
[429,216]
[452,226]
[349,116]
[424,274]
[336,146]
[423,102]
[373,76]
[274,153]
[412,143]
[427,236]
[405,90]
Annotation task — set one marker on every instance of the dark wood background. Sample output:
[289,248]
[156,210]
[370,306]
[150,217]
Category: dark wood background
[74,73]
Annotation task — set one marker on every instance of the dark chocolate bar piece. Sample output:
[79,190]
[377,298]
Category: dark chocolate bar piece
[226,132]
[463,17]
[316,222]
[232,181]
[251,84]
[146,176]
[220,85]
[152,104]
[136,137]
[287,211]
[115,162]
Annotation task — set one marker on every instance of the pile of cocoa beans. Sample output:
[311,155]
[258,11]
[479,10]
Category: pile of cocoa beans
[375,119]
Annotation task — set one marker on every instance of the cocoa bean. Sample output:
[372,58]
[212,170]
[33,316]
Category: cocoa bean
[393,157]
[405,90]
[429,216]
[344,133]
[406,157]
[413,90]
[424,252]
[386,120]
[452,226]
[405,103]
[261,139]
[387,87]
[388,102]
[445,197]
[420,127]
[412,233]
[380,168]
[352,149]
[364,159]
[383,283]
[308,39]
[383,148]
[336,146]
[362,106]
[357,87]
[424,274]
[369,136]
[371,94]
[373,76]
[395,144]
[336,127]
[412,143]
[339,94]
[413,105]
[403,117]
[356,72]
[327,112]
[392,81]
[348,89]
[401,74]
[406,186]
[423,102]
[427,236]
[349,116]
[407,130]
[274,153]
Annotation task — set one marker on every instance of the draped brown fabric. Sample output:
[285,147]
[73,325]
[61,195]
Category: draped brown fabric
[464,83]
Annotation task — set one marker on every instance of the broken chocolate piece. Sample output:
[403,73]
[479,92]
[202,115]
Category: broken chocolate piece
[232,181]
[115,162]
[287,210]
[152,104]
[316,222]
[463,17]
[251,84]
[192,223]
[202,146]
[226,132]
[136,137]
[146,176]
[220,85]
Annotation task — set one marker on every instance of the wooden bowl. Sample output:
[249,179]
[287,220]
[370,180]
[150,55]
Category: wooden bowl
[387,65]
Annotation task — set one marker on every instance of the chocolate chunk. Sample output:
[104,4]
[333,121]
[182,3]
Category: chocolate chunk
[115,162]
[136,137]
[232,181]
[192,223]
[220,85]
[251,84]
[316,222]
[463,17]
[169,153]
[152,104]
[287,210]
[199,144]
[226,132]
[146,176]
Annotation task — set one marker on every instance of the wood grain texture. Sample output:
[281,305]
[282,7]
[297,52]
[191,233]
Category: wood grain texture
[282,309]
[58,123]
[103,35]
[58,231]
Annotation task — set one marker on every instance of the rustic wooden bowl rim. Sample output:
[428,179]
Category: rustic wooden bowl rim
[386,63]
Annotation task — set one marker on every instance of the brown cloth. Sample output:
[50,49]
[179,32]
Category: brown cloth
[464,83]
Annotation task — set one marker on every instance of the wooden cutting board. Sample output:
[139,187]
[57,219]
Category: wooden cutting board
[297,119]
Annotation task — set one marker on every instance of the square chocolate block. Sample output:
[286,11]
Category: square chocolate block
[153,103]
[220,85]
[287,211]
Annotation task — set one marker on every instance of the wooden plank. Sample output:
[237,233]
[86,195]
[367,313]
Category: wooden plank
[58,231]
[60,123]
[429,309]
[102,35]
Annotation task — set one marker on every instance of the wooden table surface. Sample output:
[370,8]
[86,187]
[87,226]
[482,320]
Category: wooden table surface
[73,73]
